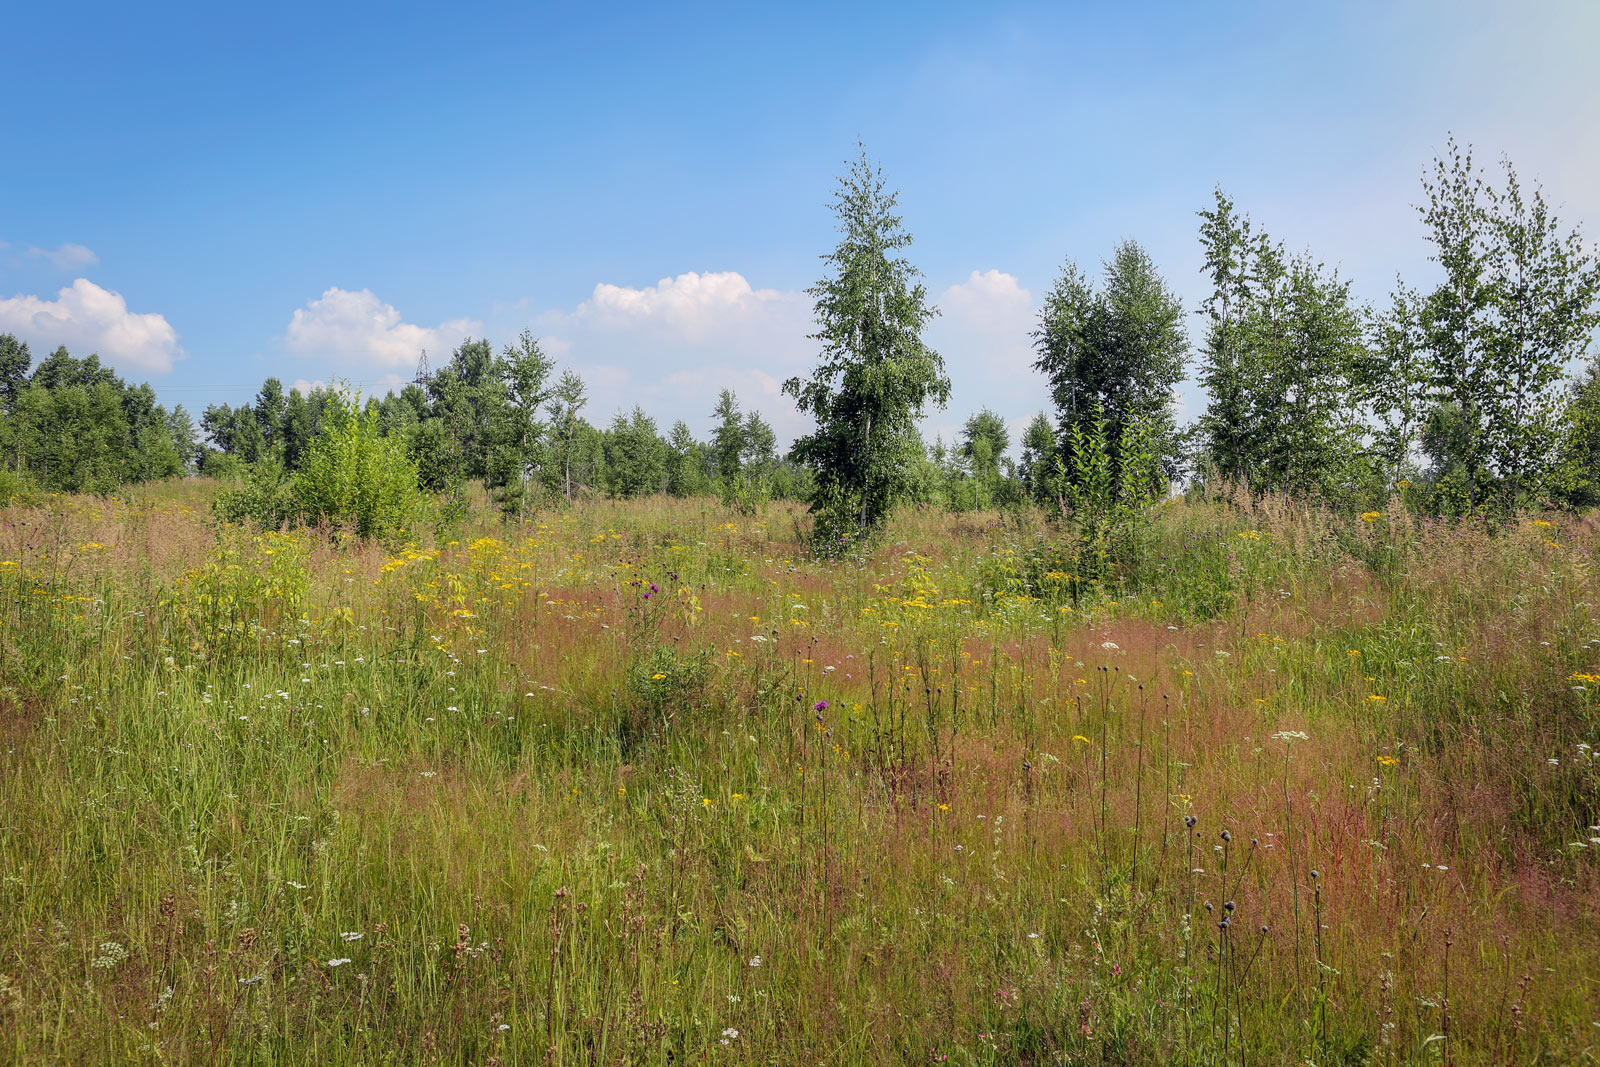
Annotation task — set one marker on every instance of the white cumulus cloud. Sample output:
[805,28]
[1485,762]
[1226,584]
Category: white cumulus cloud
[991,301]
[692,304]
[87,318]
[354,330]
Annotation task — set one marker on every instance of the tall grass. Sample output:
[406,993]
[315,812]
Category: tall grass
[642,783]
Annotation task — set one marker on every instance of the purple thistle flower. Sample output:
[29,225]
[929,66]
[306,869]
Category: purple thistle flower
[821,705]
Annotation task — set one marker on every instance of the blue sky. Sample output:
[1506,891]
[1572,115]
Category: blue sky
[208,196]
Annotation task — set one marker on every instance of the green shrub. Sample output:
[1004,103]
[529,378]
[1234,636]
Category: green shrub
[260,494]
[17,488]
[357,477]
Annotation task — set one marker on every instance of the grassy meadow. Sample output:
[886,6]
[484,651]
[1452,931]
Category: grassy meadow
[643,783]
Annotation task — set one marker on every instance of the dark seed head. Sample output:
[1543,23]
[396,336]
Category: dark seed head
[1226,836]
[1189,821]
[1228,907]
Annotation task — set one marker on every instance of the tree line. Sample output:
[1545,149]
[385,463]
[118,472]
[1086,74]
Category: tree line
[1454,395]
[509,422]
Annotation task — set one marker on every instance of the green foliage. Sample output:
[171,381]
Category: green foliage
[635,456]
[1116,353]
[252,583]
[1516,303]
[574,454]
[260,493]
[16,488]
[1284,344]
[663,686]
[74,426]
[1575,480]
[875,375]
[356,477]
[1038,467]
[1108,493]
[727,440]
[687,461]
[514,438]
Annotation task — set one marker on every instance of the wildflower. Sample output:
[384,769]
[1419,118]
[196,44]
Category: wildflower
[338,961]
[756,961]
[944,807]
[1371,516]
[1081,738]
[352,935]
[656,677]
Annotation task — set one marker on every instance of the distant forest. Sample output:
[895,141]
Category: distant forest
[1458,398]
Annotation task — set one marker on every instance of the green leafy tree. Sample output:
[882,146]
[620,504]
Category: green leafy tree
[74,425]
[297,424]
[1116,352]
[185,438]
[686,462]
[467,395]
[1391,382]
[15,359]
[1575,481]
[234,431]
[1038,466]
[435,455]
[727,440]
[760,445]
[1108,493]
[355,476]
[269,409]
[751,487]
[571,438]
[1517,303]
[984,441]
[1283,350]
[635,455]
[875,375]
[515,436]
[1544,296]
